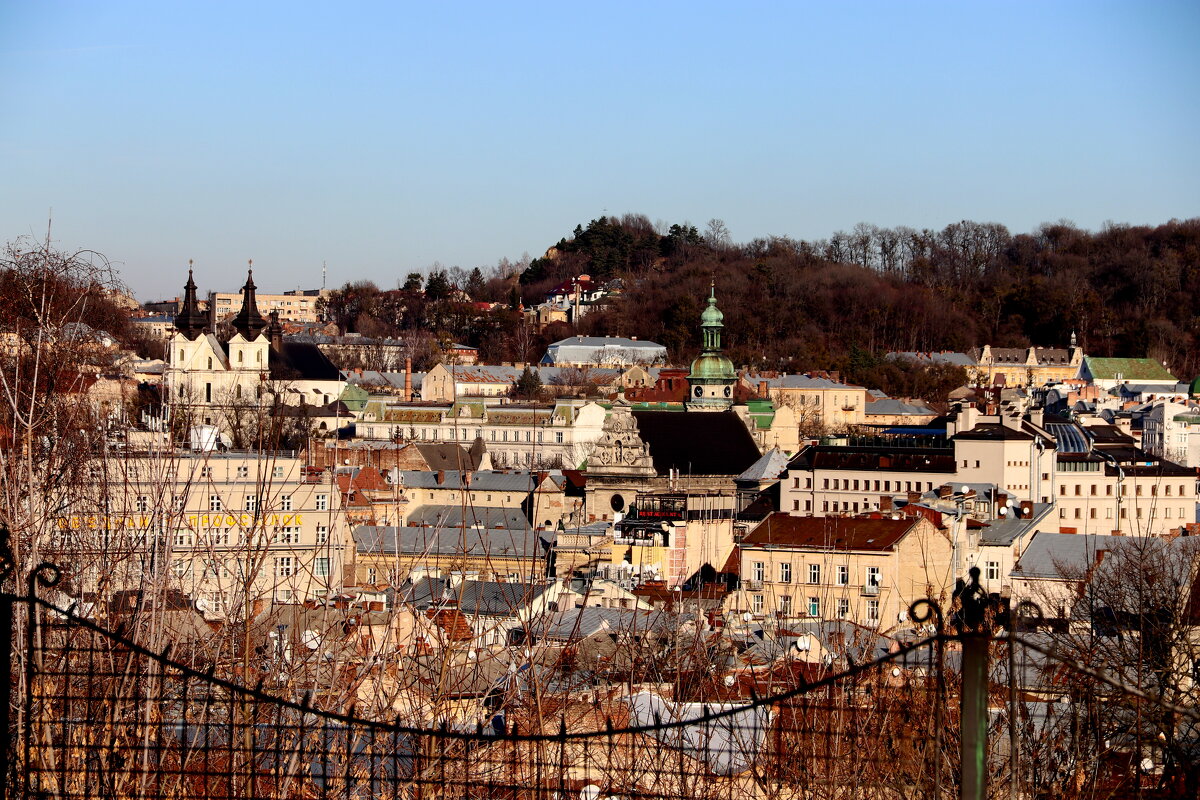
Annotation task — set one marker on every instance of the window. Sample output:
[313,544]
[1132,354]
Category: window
[814,606]
[758,570]
[558,437]
[143,503]
[322,534]
[814,573]
[277,472]
[285,502]
[874,578]
[206,472]
[371,576]
[251,502]
[993,570]
[322,502]
[1091,513]
[873,611]
[181,568]
[756,603]
[214,503]
[785,604]
[321,567]
[243,472]
[785,573]
[1078,513]
[843,607]
[843,574]
[289,535]
[283,567]
[208,392]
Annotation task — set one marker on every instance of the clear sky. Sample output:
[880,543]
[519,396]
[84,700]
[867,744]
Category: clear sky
[381,138]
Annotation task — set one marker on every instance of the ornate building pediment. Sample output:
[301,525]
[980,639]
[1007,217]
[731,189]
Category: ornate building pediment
[620,448]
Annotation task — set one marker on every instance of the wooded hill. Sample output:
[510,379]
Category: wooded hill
[844,302]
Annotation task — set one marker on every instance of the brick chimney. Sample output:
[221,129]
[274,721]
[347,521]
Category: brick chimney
[441,476]
[885,503]
[408,379]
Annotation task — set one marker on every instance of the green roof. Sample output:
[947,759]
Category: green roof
[1129,369]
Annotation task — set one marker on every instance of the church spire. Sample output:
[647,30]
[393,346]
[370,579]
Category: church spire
[249,322]
[189,321]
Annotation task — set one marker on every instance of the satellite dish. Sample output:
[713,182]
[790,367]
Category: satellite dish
[201,604]
[895,672]
[1003,511]
[747,617]
[728,680]
[903,616]
[589,792]
[963,489]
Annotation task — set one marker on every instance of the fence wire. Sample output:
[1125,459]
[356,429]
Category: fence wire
[93,714]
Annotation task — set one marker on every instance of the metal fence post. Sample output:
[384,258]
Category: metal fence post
[974,716]
[7,741]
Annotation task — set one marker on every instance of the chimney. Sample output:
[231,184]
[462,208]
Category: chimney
[408,379]
[1001,501]
[914,497]
[1026,509]
[441,476]
[762,388]
[885,503]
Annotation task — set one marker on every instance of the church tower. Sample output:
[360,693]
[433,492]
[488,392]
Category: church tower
[711,380]
[249,348]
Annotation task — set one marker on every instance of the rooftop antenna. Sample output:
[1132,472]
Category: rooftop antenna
[323,270]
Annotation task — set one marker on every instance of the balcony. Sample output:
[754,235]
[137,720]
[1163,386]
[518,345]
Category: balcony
[870,590]
[754,586]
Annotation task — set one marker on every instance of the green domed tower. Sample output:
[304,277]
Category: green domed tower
[710,383]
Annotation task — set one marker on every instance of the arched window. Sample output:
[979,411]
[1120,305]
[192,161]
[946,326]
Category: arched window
[241,356]
[210,362]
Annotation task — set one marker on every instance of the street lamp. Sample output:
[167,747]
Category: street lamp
[1120,481]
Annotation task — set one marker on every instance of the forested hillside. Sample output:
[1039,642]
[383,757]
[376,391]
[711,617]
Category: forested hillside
[845,301]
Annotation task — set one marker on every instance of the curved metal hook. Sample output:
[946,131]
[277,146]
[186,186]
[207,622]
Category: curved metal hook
[8,564]
[45,575]
[932,610]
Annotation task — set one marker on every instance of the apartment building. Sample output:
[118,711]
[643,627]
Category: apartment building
[818,402]
[231,530]
[867,571]
[560,435]
[298,305]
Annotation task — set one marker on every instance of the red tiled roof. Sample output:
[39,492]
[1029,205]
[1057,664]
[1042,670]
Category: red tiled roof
[452,621]
[784,530]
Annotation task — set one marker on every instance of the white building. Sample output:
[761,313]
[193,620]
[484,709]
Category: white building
[604,351]
[224,383]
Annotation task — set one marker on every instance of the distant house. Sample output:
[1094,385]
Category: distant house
[1026,366]
[1108,373]
[816,400]
[604,351]
[866,571]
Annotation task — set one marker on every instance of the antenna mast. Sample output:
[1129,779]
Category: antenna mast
[323,271]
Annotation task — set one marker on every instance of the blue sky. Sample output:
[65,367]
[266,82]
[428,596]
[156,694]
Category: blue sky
[381,138]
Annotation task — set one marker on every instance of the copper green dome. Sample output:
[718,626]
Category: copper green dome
[712,367]
[712,315]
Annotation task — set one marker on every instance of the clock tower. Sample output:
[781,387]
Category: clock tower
[711,380]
